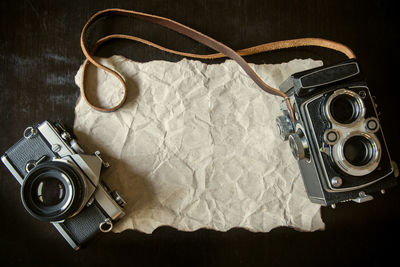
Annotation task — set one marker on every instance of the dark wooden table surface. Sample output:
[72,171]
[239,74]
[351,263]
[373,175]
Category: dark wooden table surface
[40,54]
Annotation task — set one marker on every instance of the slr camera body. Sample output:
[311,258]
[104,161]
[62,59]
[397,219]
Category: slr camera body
[336,135]
[61,185]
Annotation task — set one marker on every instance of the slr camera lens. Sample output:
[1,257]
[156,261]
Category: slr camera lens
[52,191]
[48,192]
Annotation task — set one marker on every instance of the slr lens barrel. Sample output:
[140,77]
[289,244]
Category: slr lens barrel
[52,191]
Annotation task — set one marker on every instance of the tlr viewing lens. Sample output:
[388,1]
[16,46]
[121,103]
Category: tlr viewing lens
[344,109]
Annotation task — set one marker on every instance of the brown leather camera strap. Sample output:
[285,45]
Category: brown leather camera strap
[224,51]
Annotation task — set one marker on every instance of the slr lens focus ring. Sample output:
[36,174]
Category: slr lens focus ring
[52,191]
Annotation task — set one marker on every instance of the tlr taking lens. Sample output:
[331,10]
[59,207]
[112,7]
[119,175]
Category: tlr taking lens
[358,150]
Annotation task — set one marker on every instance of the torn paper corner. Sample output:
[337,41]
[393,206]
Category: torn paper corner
[195,146]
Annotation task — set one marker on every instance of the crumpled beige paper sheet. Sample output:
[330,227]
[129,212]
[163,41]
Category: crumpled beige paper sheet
[196,146]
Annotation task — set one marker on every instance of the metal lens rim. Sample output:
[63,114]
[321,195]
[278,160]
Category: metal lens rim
[355,170]
[358,100]
[73,196]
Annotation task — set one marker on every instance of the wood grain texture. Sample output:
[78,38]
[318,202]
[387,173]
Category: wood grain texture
[40,54]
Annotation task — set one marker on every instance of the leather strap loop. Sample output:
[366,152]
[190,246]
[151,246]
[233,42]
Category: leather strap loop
[224,51]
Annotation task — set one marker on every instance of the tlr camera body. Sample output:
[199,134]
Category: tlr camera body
[61,185]
[336,135]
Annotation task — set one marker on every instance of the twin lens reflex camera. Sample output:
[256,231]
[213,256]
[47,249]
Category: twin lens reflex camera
[61,185]
[336,135]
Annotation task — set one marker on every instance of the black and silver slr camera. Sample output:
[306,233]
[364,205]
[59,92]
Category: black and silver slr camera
[60,184]
[336,135]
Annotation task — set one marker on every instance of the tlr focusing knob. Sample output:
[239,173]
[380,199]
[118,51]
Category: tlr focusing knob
[299,145]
